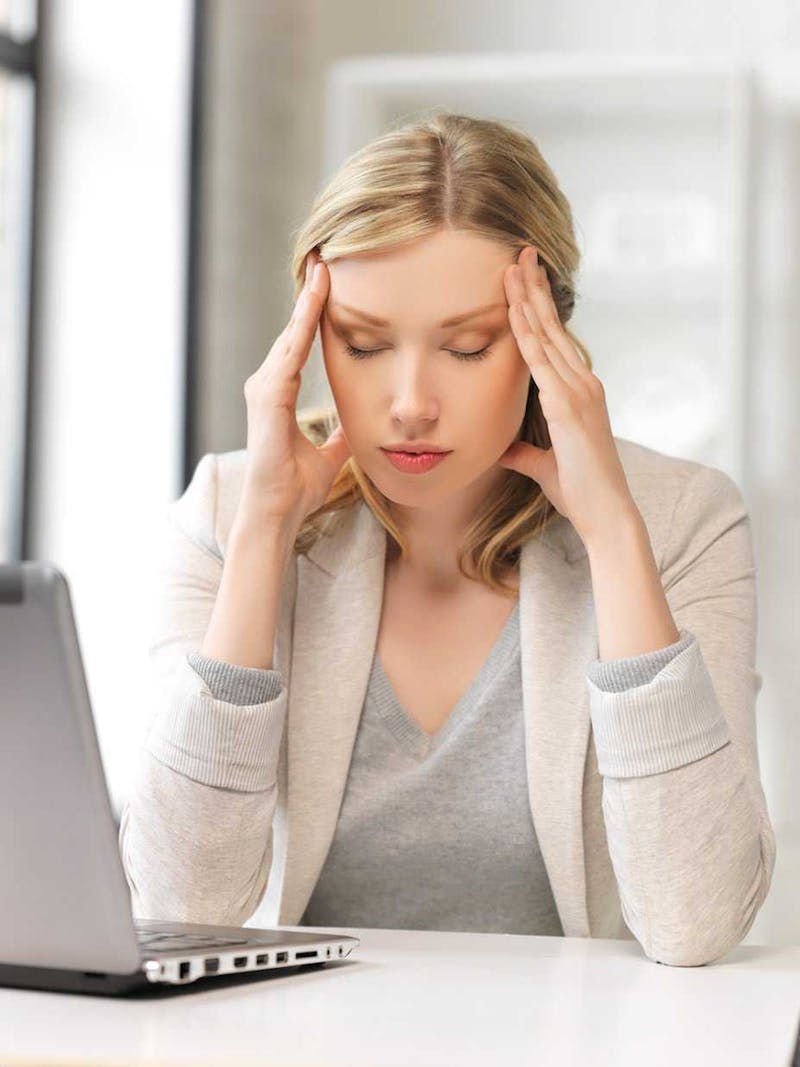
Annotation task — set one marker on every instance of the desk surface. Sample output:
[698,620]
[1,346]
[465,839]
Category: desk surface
[407,998]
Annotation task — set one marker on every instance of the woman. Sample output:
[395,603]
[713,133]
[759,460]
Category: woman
[510,688]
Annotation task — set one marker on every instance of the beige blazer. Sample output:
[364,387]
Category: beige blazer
[681,859]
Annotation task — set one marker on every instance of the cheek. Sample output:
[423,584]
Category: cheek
[347,385]
[502,392]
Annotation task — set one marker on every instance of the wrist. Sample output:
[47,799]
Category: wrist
[270,532]
[624,532]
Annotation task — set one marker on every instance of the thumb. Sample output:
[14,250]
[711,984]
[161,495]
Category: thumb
[527,459]
[336,449]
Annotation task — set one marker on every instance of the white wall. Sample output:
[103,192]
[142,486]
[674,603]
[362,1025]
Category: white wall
[111,278]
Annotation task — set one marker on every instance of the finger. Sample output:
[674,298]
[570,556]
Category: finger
[309,307]
[546,312]
[311,261]
[284,337]
[565,372]
[336,448]
[543,371]
[522,290]
[310,264]
[533,342]
[283,345]
[544,306]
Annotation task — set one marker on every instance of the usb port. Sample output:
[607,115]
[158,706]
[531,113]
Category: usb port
[305,955]
[240,961]
[281,957]
[184,969]
[212,965]
[262,958]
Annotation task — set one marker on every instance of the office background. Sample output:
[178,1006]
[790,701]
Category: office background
[157,157]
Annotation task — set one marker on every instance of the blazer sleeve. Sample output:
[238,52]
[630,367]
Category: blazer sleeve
[689,835]
[196,829]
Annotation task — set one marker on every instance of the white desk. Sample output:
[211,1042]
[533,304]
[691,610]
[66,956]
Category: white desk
[407,998]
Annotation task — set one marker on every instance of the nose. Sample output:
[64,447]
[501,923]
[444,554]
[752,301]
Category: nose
[413,389]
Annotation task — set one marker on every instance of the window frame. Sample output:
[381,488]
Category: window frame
[20,58]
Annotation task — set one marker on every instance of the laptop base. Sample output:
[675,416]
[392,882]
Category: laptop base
[56,980]
[93,983]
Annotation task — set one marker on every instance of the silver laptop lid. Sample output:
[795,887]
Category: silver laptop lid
[64,899]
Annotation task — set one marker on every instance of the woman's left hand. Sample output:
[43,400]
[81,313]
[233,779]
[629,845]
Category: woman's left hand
[581,475]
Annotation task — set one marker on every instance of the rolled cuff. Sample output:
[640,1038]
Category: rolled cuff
[616,675]
[235,684]
[671,720]
[217,742]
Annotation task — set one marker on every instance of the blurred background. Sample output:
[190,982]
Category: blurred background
[156,159]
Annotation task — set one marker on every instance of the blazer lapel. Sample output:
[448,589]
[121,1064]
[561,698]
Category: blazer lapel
[337,612]
[557,640]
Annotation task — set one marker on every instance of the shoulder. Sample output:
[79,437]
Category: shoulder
[207,506]
[681,500]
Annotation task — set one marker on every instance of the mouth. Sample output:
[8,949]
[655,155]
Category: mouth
[416,450]
[414,462]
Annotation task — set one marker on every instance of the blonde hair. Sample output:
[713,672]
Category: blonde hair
[455,171]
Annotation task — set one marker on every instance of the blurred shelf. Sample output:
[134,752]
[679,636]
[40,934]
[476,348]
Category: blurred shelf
[654,154]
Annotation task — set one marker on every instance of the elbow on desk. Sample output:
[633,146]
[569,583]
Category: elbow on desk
[698,955]
[721,927]
[704,950]
[721,939]
[699,949]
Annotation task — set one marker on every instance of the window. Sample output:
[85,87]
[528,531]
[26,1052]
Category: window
[18,49]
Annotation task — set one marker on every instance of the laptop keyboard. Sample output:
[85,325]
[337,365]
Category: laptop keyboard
[162,942]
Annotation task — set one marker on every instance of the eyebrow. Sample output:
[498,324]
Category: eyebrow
[455,320]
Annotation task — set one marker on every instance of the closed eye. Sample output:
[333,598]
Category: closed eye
[365,353]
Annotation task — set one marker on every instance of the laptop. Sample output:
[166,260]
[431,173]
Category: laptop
[66,919]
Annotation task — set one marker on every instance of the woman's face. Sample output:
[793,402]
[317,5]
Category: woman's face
[412,388]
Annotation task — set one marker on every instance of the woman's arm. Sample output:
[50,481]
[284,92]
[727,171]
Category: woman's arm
[688,830]
[196,831]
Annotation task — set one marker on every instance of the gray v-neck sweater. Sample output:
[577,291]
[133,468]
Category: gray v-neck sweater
[410,845]
[409,850]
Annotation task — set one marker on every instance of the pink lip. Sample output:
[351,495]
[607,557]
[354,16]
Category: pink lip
[414,463]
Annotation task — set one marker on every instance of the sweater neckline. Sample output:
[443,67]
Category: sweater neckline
[406,729]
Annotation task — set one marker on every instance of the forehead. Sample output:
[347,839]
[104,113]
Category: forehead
[423,282]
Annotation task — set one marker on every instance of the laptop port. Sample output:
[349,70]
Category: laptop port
[183,970]
[328,952]
[281,957]
[341,950]
[305,955]
[240,961]
[212,965]
[262,958]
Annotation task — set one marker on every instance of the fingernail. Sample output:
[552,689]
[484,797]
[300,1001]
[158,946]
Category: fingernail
[535,257]
[308,266]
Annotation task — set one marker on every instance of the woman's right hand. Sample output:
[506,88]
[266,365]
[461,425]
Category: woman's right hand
[287,476]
